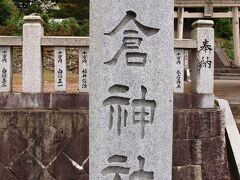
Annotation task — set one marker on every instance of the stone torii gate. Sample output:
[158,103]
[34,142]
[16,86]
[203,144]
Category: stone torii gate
[209,6]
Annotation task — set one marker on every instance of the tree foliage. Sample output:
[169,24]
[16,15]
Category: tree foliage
[35,6]
[75,13]
[7,10]
[78,9]
[223,28]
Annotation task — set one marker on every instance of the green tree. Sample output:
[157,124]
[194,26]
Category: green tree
[223,28]
[22,5]
[34,6]
[7,11]
[79,9]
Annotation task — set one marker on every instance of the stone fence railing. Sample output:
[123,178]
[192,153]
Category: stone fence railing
[201,60]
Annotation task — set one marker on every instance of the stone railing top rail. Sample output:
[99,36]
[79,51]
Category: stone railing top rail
[80,41]
[11,41]
[195,3]
[185,44]
[47,41]
[64,41]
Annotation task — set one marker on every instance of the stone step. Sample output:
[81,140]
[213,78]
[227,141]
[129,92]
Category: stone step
[226,74]
[227,77]
[237,118]
[227,70]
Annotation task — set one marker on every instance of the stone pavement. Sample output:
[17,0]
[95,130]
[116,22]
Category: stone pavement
[228,89]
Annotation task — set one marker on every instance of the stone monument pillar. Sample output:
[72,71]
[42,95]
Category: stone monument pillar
[131,89]
[32,54]
[203,62]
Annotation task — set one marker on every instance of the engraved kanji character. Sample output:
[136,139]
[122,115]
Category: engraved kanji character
[140,117]
[178,58]
[205,63]
[206,46]
[131,41]
[115,168]
[60,78]
[178,79]
[141,174]
[84,58]
[119,102]
[60,56]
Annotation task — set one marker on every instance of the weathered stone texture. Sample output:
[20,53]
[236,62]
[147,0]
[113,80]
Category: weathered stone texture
[208,150]
[187,173]
[44,101]
[12,144]
[53,145]
[181,151]
[43,144]
[6,174]
[62,168]
[199,148]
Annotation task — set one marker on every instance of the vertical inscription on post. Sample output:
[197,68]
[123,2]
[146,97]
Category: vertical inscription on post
[203,62]
[84,69]
[131,91]
[5,69]
[60,69]
[179,71]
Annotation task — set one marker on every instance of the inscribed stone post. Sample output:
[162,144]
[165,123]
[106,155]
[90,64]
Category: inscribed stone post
[179,71]
[203,62]
[32,54]
[84,69]
[60,69]
[131,89]
[5,69]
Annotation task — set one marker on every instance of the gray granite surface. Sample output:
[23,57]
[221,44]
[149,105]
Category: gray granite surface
[131,89]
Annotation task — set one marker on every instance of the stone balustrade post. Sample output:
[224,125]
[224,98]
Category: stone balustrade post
[203,63]
[32,54]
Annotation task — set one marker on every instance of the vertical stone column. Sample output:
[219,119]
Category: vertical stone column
[178,79]
[203,63]
[180,25]
[131,89]
[60,69]
[32,54]
[5,69]
[236,41]
[84,69]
